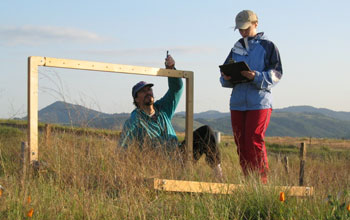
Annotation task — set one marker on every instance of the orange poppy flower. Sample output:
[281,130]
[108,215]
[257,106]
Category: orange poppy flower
[282,197]
[30,213]
[348,207]
[29,199]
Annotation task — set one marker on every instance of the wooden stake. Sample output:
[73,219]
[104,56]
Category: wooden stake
[302,163]
[286,164]
[47,133]
[24,161]
[189,115]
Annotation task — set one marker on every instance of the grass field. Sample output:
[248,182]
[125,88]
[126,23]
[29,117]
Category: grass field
[84,176]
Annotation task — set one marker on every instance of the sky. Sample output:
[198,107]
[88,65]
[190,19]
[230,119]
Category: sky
[312,38]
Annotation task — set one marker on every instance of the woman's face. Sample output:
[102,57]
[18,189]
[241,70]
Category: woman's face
[249,32]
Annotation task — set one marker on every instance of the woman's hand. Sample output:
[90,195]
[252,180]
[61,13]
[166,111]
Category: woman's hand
[248,74]
[227,78]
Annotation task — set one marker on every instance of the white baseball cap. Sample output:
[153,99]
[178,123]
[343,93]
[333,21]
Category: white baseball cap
[245,18]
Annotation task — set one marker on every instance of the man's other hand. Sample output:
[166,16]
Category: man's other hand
[169,62]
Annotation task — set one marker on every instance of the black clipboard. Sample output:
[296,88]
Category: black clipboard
[234,70]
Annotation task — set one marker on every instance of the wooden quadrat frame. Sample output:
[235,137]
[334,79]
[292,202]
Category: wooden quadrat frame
[33,65]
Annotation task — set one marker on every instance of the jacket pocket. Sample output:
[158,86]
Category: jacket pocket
[238,97]
[259,99]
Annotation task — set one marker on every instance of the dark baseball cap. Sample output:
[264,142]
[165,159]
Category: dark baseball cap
[139,86]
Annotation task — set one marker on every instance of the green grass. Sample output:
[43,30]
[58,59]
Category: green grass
[61,128]
[321,152]
[85,177]
[282,149]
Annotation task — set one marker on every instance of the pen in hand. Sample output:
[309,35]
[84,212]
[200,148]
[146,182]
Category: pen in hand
[169,61]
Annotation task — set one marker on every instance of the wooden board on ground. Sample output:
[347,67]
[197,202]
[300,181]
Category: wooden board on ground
[219,188]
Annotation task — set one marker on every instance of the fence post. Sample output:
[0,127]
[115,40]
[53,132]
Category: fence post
[286,164]
[47,132]
[24,161]
[302,163]
[218,136]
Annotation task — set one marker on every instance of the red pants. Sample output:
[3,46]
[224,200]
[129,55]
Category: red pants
[249,129]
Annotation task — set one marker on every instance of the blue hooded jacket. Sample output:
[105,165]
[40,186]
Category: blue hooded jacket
[262,56]
[156,131]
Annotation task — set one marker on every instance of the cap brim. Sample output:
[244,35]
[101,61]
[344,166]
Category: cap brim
[148,84]
[244,25]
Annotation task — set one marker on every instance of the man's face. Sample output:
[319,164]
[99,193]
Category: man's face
[145,97]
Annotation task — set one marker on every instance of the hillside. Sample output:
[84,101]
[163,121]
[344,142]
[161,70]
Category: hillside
[309,109]
[302,121]
[211,114]
[76,115]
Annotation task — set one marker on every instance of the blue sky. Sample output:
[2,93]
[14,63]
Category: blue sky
[312,37]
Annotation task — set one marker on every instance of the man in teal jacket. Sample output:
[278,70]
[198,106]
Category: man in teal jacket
[150,123]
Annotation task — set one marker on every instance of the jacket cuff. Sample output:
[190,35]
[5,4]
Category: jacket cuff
[257,77]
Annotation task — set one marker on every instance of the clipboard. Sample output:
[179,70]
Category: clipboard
[234,70]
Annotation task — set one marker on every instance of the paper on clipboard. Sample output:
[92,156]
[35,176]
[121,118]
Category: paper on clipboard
[234,70]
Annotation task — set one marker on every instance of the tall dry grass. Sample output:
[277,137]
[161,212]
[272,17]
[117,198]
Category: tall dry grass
[84,177]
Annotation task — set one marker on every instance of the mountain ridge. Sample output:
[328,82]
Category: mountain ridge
[294,121]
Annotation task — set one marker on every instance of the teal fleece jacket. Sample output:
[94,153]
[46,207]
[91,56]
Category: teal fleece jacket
[141,129]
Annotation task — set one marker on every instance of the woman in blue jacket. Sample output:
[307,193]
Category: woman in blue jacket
[251,102]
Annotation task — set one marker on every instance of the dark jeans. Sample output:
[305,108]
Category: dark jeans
[204,142]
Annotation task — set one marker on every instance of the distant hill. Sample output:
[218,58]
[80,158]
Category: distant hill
[309,109]
[211,114]
[307,124]
[296,121]
[293,125]
[76,115]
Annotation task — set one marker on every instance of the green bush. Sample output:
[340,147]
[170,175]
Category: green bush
[7,133]
[10,145]
[281,149]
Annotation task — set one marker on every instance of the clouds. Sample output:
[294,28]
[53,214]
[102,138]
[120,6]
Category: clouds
[38,35]
[154,50]
[29,35]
